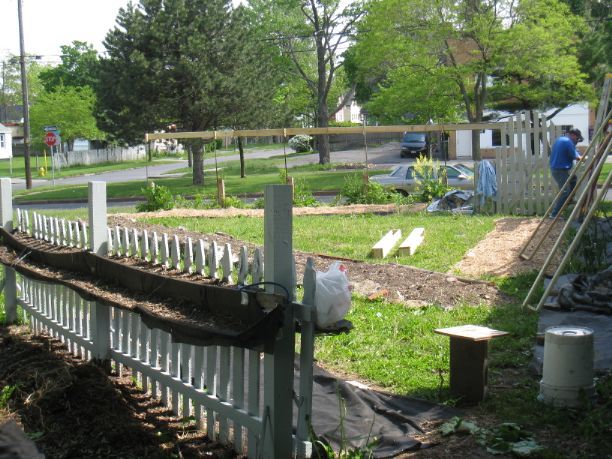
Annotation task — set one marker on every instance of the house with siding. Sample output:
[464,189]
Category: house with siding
[6,143]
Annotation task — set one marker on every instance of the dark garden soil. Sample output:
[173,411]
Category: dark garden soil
[73,409]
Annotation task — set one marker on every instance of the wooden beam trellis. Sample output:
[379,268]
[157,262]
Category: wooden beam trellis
[318,131]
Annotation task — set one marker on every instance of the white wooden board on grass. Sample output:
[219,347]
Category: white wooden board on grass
[382,248]
[410,244]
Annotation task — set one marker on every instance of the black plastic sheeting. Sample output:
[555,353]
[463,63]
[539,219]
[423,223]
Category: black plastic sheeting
[252,325]
[392,420]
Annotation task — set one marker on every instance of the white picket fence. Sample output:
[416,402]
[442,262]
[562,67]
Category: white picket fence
[242,397]
[524,183]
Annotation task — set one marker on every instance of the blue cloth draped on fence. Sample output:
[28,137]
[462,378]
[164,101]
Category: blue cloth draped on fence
[487,183]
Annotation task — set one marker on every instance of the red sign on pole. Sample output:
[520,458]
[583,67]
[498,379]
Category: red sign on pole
[50,139]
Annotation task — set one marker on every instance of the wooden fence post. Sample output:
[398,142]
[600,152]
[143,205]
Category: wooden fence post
[278,389]
[306,360]
[98,237]
[98,234]
[6,220]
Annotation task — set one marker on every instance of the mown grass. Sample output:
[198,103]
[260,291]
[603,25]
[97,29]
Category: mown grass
[447,237]
[314,180]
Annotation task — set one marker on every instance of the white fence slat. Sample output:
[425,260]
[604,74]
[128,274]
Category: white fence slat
[143,356]
[213,261]
[258,266]
[200,257]
[19,220]
[125,242]
[77,235]
[188,255]
[175,373]
[164,340]
[226,264]
[26,217]
[134,244]
[254,398]
[223,390]
[35,226]
[154,359]
[211,387]
[84,240]
[198,383]
[154,248]
[164,250]
[144,245]
[185,375]
[243,265]
[175,252]
[238,394]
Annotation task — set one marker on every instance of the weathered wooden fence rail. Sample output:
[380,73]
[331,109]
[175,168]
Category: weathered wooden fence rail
[242,397]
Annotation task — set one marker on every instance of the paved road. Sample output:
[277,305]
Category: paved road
[384,156]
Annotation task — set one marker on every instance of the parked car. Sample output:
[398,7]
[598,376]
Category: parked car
[414,144]
[402,178]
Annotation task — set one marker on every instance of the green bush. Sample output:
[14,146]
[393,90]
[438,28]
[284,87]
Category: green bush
[233,201]
[430,179]
[300,143]
[357,192]
[158,197]
[302,196]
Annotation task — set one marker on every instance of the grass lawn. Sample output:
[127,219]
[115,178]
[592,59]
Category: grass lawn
[447,237]
[309,177]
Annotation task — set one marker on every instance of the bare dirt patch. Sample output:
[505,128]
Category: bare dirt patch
[498,253]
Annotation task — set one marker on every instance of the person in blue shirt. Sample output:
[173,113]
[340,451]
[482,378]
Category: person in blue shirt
[562,159]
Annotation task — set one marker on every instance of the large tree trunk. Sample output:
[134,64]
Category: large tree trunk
[197,153]
[241,153]
[476,156]
[323,139]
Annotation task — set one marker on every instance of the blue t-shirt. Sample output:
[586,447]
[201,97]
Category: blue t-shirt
[563,154]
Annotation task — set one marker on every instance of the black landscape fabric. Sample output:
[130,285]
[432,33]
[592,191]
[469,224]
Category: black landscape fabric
[391,420]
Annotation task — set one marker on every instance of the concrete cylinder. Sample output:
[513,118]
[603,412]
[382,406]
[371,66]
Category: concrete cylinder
[567,376]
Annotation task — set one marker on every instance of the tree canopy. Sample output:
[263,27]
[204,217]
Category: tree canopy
[78,68]
[68,108]
[190,63]
[440,58]
[312,36]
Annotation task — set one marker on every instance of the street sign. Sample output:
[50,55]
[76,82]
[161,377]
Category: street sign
[50,129]
[51,139]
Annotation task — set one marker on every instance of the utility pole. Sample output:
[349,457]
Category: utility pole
[26,103]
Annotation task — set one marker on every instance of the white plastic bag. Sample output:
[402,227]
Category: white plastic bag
[332,295]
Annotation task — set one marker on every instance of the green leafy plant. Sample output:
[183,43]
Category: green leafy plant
[355,191]
[233,201]
[158,197]
[302,196]
[430,179]
[300,143]
[5,395]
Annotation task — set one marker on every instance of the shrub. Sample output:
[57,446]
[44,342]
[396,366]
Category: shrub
[233,201]
[300,143]
[302,196]
[357,192]
[158,197]
[430,179]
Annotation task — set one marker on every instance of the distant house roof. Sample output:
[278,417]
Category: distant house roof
[3,128]
[11,113]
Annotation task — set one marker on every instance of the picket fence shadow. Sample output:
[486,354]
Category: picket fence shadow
[239,396]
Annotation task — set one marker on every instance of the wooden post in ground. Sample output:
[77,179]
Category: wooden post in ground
[278,366]
[98,234]
[220,192]
[98,237]
[6,220]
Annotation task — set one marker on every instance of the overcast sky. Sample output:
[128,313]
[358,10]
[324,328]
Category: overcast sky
[50,24]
